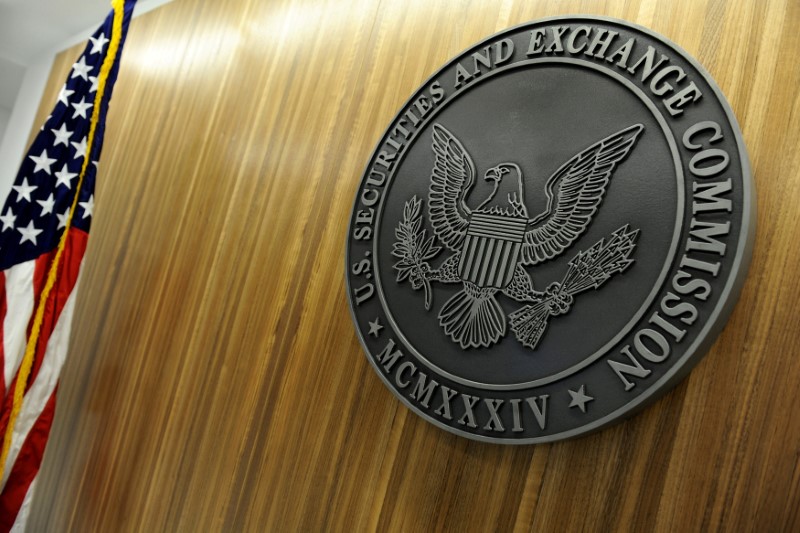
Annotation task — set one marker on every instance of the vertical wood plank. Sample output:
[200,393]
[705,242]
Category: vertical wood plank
[215,381]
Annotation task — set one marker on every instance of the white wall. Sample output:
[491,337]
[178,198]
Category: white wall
[5,114]
[20,122]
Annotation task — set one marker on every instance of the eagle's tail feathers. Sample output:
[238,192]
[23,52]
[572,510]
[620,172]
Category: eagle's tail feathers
[473,318]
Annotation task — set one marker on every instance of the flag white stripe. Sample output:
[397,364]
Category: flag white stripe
[19,309]
[46,380]
[24,510]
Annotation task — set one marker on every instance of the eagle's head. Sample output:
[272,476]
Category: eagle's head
[507,196]
[496,174]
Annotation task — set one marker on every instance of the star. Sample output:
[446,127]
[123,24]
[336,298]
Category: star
[62,135]
[98,44]
[42,162]
[81,108]
[24,190]
[62,219]
[47,205]
[64,94]
[375,327]
[29,233]
[88,207]
[8,219]
[64,176]
[81,69]
[80,149]
[580,398]
[93,88]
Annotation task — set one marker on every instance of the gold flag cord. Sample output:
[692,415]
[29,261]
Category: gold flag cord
[30,350]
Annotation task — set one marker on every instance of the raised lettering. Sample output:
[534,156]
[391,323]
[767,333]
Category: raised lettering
[536,45]
[650,65]
[699,286]
[399,376]
[703,126]
[422,392]
[468,418]
[703,266]
[555,45]
[388,358]
[462,76]
[423,105]
[364,293]
[370,197]
[444,408]
[623,52]
[503,50]
[401,129]
[676,102]
[539,411]
[603,39]
[516,415]
[707,192]
[705,232]
[481,59]
[437,92]
[385,159]
[376,179]
[571,47]
[361,267]
[709,154]
[645,351]
[665,87]
[494,423]
[681,308]
[659,321]
[622,369]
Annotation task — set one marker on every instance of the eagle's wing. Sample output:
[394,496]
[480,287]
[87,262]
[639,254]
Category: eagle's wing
[579,186]
[452,176]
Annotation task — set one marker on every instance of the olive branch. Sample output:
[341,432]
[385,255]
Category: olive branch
[414,249]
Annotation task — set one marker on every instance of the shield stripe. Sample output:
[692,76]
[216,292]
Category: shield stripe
[497,233]
[487,261]
[501,274]
[505,219]
[476,258]
[469,258]
[506,224]
[501,245]
[507,272]
[512,264]
[473,275]
[491,249]
[469,246]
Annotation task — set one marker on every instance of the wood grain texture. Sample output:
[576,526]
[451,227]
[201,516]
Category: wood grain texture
[215,382]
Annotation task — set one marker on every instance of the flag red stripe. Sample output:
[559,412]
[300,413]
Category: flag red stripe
[68,270]
[28,461]
[26,466]
[67,277]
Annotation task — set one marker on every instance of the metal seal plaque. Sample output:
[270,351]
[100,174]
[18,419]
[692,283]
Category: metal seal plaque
[551,232]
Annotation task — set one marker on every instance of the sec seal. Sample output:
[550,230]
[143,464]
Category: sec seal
[551,232]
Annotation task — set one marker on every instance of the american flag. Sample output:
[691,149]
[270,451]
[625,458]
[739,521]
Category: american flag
[41,205]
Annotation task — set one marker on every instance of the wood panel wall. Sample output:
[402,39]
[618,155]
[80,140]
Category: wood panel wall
[215,382]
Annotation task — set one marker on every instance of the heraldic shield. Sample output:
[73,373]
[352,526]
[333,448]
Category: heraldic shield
[491,250]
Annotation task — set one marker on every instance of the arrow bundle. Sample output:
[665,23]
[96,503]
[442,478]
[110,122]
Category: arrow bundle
[587,270]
